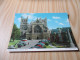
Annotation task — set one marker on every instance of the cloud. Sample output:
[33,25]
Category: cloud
[48,19]
[56,17]
[19,19]
[61,23]
[24,15]
[32,13]
[30,16]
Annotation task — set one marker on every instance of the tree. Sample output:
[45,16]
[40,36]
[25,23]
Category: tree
[15,33]
[59,28]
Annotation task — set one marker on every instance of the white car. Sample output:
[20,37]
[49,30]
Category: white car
[24,40]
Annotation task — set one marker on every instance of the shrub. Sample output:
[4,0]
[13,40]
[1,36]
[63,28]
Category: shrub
[53,44]
[47,43]
[44,46]
[60,46]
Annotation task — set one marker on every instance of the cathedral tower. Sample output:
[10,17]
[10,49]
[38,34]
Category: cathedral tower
[45,22]
[23,25]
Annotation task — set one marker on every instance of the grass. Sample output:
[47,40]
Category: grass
[57,45]
[49,46]
[60,46]
[13,43]
[54,44]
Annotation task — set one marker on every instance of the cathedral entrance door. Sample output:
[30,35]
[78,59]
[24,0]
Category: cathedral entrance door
[29,38]
[37,37]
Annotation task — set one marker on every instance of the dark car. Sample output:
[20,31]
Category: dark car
[20,44]
[24,40]
[40,46]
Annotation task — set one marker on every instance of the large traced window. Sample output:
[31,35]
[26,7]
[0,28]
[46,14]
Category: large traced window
[37,29]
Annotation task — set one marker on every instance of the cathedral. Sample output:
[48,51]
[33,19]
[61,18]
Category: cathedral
[34,30]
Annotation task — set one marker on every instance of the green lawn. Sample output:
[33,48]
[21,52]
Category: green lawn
[60,46]
[49,46]
[13,43]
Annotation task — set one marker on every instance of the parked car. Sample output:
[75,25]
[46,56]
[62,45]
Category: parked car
[40,46]
[43,42]
[24,44]
[24,40]
[11,47]
[21,43]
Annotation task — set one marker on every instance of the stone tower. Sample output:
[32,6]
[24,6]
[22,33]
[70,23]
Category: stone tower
[45,21]
[23,26]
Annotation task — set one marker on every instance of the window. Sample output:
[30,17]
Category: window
[37,29]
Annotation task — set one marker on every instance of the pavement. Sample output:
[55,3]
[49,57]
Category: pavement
[30,43]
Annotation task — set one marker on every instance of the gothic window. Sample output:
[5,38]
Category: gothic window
[24,27]
[37,29]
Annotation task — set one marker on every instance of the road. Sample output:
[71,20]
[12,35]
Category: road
[31,43]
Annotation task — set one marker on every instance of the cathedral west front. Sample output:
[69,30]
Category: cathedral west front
[34,30]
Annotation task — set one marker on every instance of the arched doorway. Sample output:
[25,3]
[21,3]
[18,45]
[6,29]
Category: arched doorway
[37,37]
[29,38]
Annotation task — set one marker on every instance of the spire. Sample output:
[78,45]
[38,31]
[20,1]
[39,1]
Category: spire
[21,17]
[37,18]
[26,18]
[45,21]
[40,18]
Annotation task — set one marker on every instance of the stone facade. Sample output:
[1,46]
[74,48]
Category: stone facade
[60,35]
[37,29]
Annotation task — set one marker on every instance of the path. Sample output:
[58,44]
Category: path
[31,43]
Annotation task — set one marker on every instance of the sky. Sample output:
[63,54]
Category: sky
[54,20]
